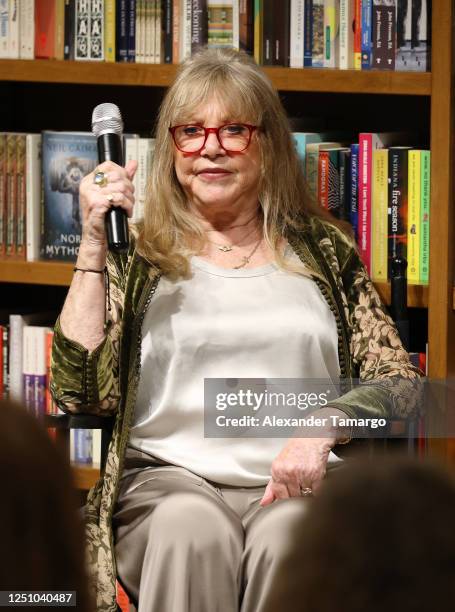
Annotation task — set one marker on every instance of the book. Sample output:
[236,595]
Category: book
[213,31]
[331,33]
[344,170]
[398,203]
[312,163]
[69,30]
[44,30]
[109,30]
[367,6]
[246,26]
[281,32]
[357,34]
[34,373]
[4,355]
[384,35]
[167,30]
[403,35]
[308,33]
[20,175]
[27,29]
[420,36]
[413,221]
[3,204]
[13,30]
[176,14]
[301,140]
[11,195]
[199,25]
[121,30]
[4,29]
[66,157]
[258,30]
[379,205]
[353,209]
[33,197]
[425,190]
[346,38]
[318,34]
[59,44]
[81,446]
[131,32]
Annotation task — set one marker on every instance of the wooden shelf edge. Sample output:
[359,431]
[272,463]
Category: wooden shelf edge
[36,272]
[162,75]
[84,476]
[417,294]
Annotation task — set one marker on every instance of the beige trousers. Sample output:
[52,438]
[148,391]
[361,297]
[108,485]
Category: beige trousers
[185,544]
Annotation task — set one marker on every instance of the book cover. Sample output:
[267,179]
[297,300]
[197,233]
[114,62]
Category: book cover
[220,23]
[33,195]
[312,163]
[109,30]
[96,49]
[82,443]
[11,195]
[357,34]
[425,190]
[331,33]
[335,175]
[199,25]
[69,46]
[384,35]
[346,38]
[344,160]
[258,30]
[379,215]
[318,34]
[398,204]
[27,29]
[246,26]
[353,212]
[45,30]
[67,157]
[367,7]
[413,221]
[323,178]
[420,36]
[167,30]
[403,35]
[3,204]
[301,140]
[21,241]
[34,368]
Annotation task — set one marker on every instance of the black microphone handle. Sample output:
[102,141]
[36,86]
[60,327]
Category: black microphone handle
[399,298]
[110,149]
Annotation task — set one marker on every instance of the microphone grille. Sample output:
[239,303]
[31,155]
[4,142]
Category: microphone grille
[106,119]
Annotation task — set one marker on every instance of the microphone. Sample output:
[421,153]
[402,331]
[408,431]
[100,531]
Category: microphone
[107,125]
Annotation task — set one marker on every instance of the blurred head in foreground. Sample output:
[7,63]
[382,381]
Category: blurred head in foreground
[378,538]
[42,536]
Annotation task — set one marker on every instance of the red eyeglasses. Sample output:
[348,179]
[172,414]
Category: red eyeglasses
[233,137]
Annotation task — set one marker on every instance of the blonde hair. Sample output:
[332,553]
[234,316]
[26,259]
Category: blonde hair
[170,233]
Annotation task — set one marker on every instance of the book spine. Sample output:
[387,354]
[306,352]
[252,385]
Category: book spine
[40,372]
[13,30]
[379,215]
[15,357]
[97,30]
[167,31]
[367,6]
[318,34]
[59,43]
[312,166]
[70,29]
[109,30]
[122,30]
[268,33]
[176,8]
[246,27]
[5,356]
[414,229]
[44,30]
[383,45]
[153,59]
[11,195]
[333,183]
[131,28]
[331,33]
[139,54]
[323,179]
[344,158]
[258,30]
[27,29]
[297,32]
[186,29]
[83,446]
[398,203]
[364,210]
[4,34]
[21,241]
[236,23]
[353,213]
[3,202]
[308,34]
[424,264]
[346,38]
[420,39]
[199,25]
[403,35]
[357,34]
[82,24]
[282,33]
[33,195]
[148,32]
[28,367]
[2,388]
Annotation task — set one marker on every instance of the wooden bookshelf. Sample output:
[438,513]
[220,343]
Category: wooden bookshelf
[84,476]
[162,75]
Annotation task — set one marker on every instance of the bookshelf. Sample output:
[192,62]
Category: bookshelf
[424,101]
[84,477]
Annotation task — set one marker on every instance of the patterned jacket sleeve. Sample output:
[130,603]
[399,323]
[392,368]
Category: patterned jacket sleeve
[88,382]
[390,385]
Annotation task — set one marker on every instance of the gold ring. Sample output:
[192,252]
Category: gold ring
[306,491]
[110,197]
[100,179]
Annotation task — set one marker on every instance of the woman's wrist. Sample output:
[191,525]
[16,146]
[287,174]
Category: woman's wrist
[91,256]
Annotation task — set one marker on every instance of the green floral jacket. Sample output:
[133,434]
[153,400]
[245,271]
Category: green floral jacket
[105,381]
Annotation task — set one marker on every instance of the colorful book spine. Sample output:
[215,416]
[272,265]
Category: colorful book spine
[344,159]
[318,34]
[384,34]
[331,33]
[425,189]
[379,215]
[414,228]
[246,26]
[109,30]
[70,30]
[366,145]
[353,213]
[59,29]
[357,34]
[323,179]
[3,205]
[258,30]
[398,203]
[21,240]
[131,31]
[302,139]
[346,38]
[11,195]
[367,6]
[45,30]
[186,28]
[176,12]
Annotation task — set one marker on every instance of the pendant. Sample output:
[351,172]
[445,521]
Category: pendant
[245,261]
[225,248]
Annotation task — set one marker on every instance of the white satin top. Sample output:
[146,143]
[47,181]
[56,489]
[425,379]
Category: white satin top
[224,323]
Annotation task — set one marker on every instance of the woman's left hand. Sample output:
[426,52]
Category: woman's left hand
[301,464]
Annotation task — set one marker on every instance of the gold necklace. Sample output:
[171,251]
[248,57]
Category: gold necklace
[228,247]
[246,258]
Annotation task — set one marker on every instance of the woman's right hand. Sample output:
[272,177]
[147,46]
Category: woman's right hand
[94,201]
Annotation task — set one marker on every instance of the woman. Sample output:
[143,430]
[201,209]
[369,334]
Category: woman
[233,272]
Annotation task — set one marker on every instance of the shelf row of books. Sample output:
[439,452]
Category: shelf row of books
[39,190]
[383,192]
[345,34]
[25,361]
